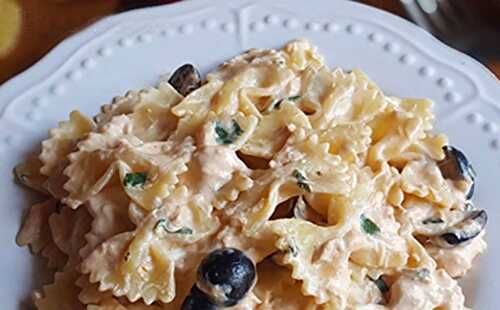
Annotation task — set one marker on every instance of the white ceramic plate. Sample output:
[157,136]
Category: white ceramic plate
[132,50]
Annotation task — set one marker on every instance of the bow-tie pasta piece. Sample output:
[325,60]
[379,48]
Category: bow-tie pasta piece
[149,173]
[317,256]
[301,54]
[258,246]
[315,86]
[363,289]
[63,140]
[250,89]
[149,262]
[350,142]
[110,212]
[230,191]
[90,293]
[459,260]
[119,105]
[424,179]
[193,109]
[436,290]
[62,294]
[216,170]
[152,119]
[68,228]
[35,233]
[338,98]
[322,173]
[28,174]
[273,130]
[148,107]
[276,289]
[115,304]
[375,239]
[146,171]
[91,166]
[35,230]
[388,182]
[404,125]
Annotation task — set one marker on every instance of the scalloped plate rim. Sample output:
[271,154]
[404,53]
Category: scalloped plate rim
[48,64]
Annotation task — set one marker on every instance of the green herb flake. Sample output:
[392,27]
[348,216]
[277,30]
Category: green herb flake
[432,220]
[301,180]
[183,231]
[423,273]
[292,248]
[294,98]
[288,246]
[369,226]
[277,104]
[135,179]
[163,224]
[225,136]
[380,283]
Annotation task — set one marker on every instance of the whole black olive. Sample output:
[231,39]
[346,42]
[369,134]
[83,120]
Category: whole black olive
[455,166]
[185,79]
[226,275]
[197,300]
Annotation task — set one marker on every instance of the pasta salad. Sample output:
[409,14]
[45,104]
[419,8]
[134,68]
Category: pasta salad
[273,183]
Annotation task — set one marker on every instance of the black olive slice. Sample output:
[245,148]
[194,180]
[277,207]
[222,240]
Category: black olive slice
[185,79]
[455,166]
[462,232]
[197,300]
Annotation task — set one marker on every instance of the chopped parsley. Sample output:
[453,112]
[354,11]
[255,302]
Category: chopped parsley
[432,220]
[469,206]
[280,62]
[22,177]
[163,224]
[369,226]
[277,104]
[227,136]
[423,273]
[135,179]
[288,246]
[301,180]
[380,283]
[292,248]
[294,98]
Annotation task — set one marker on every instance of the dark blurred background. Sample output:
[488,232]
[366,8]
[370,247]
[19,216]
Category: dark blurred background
[30,28]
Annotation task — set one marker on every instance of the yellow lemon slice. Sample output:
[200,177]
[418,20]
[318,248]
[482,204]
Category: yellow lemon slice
[10,24]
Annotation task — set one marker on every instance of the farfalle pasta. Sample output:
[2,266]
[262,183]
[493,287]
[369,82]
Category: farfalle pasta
[341,197]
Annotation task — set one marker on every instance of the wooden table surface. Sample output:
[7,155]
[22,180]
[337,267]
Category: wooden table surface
[33,27]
